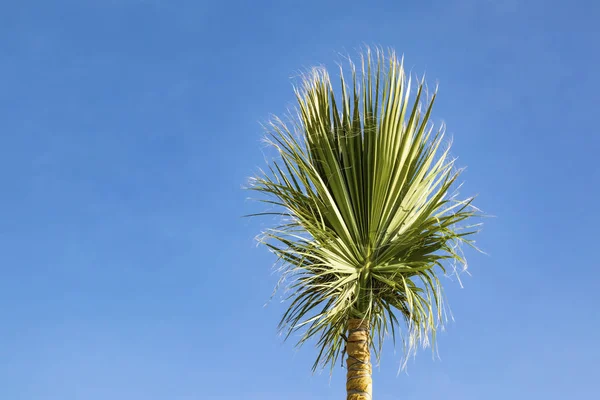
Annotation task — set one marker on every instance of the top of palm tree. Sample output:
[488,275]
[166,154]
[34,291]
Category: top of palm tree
[370,212]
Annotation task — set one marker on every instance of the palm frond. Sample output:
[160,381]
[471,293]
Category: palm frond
[370,213]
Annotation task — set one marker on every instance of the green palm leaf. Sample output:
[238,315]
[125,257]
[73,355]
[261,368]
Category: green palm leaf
[368,207]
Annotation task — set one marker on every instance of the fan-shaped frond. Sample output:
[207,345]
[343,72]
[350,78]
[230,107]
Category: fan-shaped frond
[365,190]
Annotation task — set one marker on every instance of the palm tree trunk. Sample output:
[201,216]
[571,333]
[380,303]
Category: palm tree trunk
[359,385]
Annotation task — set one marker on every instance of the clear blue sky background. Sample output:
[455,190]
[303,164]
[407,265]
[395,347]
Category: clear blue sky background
[127,128]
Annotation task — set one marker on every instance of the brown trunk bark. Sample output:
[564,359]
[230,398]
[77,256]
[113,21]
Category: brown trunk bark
[359,385]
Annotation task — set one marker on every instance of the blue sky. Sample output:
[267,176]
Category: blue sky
[127,128]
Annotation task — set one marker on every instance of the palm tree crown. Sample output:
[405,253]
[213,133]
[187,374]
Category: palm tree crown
[370,213]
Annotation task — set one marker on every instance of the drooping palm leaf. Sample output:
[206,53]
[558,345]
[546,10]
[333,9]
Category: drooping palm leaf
[370,216]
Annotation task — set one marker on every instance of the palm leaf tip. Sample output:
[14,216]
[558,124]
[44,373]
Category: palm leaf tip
[370,216]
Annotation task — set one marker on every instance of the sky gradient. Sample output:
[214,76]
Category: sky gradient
[128,127]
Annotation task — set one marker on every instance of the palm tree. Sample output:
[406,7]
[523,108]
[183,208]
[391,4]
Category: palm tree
[370,215]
